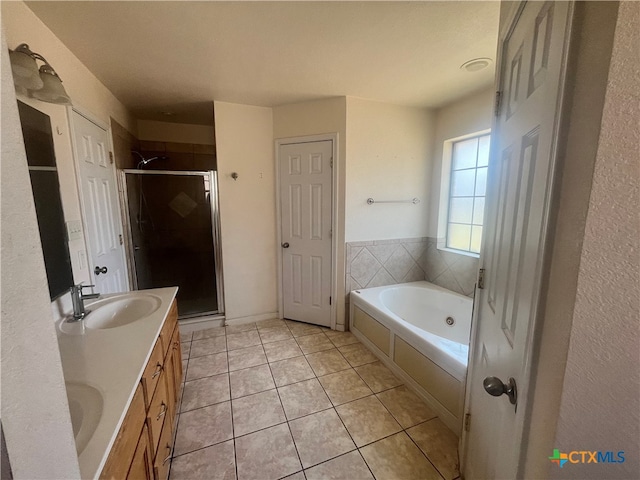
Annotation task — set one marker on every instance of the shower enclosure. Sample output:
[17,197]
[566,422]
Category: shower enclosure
[173,239]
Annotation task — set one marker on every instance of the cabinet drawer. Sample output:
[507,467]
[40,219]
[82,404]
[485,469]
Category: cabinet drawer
[152,373]
[159,411]
[163,455]
[169,326]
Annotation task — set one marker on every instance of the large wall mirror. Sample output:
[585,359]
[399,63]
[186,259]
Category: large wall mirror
[38,142]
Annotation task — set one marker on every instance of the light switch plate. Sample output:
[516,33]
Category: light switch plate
[74,230]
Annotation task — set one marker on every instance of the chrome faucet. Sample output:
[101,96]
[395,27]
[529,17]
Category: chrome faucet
[77,298]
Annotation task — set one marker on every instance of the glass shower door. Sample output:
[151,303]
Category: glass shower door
[173,236]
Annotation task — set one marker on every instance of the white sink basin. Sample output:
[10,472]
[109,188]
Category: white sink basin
[118,311]
[85,406]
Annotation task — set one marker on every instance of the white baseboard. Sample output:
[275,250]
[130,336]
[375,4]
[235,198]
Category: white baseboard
[252,318]
[189,325]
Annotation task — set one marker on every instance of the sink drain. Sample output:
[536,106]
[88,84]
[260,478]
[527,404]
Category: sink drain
[450,321]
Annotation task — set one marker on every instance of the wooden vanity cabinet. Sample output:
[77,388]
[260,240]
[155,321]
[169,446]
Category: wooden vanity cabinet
[142,449]
[142,459]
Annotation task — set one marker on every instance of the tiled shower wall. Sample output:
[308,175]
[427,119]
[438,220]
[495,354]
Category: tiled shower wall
[388,262]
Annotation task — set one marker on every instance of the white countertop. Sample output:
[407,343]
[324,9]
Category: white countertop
[112,361]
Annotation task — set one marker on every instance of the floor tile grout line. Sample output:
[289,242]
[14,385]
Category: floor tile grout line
[233,431]
[397,420]
[333,458]
[424,455]
[203,447]
[316,376]
[287,422]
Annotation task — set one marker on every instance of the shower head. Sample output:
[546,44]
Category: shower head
[143,161]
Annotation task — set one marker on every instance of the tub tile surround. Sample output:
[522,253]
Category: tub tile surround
[388,262]
[317,404]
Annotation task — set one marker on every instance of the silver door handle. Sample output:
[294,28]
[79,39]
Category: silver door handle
[285,245]
[495,387]
[99,270]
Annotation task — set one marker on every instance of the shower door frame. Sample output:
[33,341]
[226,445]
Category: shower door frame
[212,176]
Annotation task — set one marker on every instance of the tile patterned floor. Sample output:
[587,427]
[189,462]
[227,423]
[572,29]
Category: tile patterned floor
[280,399]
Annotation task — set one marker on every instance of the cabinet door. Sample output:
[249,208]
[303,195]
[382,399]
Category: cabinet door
[158,412]
[152,373]
[163,455]
[142,463]
[124,447]
[176,361]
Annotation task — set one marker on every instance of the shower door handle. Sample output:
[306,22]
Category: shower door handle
[285,245]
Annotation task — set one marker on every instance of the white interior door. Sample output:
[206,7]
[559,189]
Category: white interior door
[99,194]
[305,201]
[531,67]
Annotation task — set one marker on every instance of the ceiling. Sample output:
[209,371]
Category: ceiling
[160,56]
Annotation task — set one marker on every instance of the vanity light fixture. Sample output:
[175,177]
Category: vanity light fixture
[42,83]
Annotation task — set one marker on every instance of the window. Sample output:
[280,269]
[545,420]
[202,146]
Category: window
[467,185]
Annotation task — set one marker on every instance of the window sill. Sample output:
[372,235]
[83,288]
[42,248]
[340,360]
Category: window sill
[459,252]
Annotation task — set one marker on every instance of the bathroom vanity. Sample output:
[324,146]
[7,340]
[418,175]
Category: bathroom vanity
[123,372]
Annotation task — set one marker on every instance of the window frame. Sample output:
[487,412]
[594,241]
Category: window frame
[445,189]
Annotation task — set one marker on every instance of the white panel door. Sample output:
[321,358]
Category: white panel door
[520,176]
[305,201]
[99,194]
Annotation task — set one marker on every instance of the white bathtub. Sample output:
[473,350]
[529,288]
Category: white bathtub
[408,326]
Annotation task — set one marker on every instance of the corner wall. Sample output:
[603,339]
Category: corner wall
[600,403]
[467,115]
[389,150]
[35,411]
[313,118]
[23,26]
[244,137]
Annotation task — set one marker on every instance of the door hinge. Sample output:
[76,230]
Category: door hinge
[111,158]
[120,238]
[481,274]
[331,162]
[467,422]
[498,103]
[329,300]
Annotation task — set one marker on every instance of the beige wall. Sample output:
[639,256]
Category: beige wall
[244,136]
[313,118]
[600,405]
[34,411]
[467,115]
[388,158]
[176,132]
[23,26]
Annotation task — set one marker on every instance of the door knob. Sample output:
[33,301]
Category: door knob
[285,245]
[99,270]
[495,387]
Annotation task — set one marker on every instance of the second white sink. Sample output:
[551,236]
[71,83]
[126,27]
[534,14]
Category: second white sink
[118,311]
[85,407]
